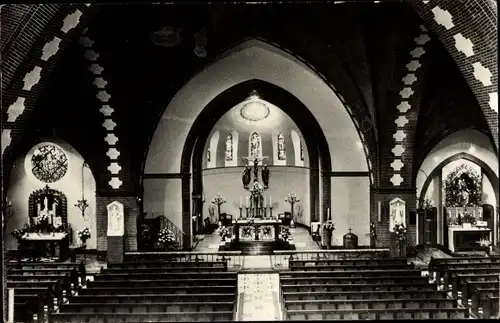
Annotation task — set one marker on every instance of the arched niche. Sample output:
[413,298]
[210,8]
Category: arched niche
[23,183]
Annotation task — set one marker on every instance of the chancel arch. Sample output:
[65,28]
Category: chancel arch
[264,64]
[50,179]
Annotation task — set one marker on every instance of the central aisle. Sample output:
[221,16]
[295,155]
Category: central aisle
[258,297]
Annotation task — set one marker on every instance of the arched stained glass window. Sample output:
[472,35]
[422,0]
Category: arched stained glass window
[208,155]
[281,147]
[49,163]
[301,151]
[229,147]
[255,146]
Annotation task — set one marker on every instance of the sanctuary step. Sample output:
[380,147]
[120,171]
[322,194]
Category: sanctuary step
[256,247]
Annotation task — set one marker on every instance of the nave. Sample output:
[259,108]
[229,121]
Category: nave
[218,286]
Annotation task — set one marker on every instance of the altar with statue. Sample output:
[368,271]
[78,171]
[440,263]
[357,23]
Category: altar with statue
[48,232]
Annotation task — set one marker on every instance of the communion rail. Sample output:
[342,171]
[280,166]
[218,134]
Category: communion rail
[280,258]
[233,258]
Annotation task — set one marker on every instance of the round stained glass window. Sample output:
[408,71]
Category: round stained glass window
[49,163]
[254,111]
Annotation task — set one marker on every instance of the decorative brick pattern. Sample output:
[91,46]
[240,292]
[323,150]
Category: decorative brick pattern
[405,110]
[100,83]
[469,31]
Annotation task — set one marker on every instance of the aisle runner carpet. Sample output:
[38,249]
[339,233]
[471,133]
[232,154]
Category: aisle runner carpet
[258,297]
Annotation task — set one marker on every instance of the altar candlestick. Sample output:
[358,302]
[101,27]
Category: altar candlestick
[474,213]
[38,208]
[328,213]
[270,201]
[241,203]
[246,201]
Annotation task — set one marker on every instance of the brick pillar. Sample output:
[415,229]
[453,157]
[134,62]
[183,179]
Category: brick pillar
[131,212]
[186,212]
[385,195]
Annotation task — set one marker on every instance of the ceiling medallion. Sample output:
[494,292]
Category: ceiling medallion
[254,111]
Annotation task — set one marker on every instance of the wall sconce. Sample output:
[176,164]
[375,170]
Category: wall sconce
[83,204]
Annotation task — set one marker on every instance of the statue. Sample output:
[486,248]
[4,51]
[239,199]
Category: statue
[255,170]
[246,176]
[115,219]
[265,176]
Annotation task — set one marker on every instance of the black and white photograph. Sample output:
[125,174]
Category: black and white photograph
[195,161]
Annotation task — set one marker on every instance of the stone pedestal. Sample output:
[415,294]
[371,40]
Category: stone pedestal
[115,249]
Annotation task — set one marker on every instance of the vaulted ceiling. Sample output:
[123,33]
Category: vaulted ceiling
[361,49]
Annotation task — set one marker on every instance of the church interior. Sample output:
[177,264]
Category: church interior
[171,162]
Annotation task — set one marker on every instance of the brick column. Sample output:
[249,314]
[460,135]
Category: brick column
[131,212]
[385,195]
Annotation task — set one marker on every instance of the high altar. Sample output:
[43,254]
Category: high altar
[256,230]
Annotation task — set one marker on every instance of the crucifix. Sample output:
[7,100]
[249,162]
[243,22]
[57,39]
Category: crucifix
[256,161]
[257,206]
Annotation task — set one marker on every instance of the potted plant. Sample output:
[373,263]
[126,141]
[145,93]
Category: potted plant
[167,238]
[401,239]
[18,234]
[224,233]
[84,235]
[328,228]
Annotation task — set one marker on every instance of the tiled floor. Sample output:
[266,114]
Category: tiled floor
[259,296]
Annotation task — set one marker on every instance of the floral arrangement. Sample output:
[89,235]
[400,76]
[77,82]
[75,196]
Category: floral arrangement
[426,204]
[84,234]
[400,231]
[467,217]
[218,200]
[266,231]
[42,218]
[224,232]
[463,187]
[256,189]
[166,236]
[292,198]
[329,225]
[18,233]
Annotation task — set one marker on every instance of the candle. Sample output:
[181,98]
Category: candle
[241,203]
[246,201]
[38,209]
[265,205]
[328,213]
[270,201]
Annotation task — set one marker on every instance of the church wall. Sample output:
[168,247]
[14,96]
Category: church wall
[23,183]
[464,141]
[164,196]
[489,197]
[350,208]
[282,181]
[255,60]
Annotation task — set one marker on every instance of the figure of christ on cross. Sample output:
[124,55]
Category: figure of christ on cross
[256,161]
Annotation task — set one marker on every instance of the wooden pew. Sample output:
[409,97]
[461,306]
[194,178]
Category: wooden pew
[359,287]
[469,287]
[26,305]
[156,307]
[55,285]
[354,273]
[152,297]
[458,279]
[80,267]
[164,275]
[337,267]
[379,314]
[365,304]
[166,264]
[351,280]
[73,274]
[349,262]
[364,295]
[448,273]
[164,282]
[173,269]
[68,317]
[157,289]
[41,299]
[63,282]
[437,266]
[481,298]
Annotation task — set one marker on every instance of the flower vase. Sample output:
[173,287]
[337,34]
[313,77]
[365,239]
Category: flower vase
[466,225]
